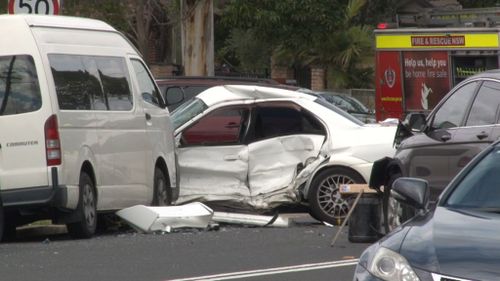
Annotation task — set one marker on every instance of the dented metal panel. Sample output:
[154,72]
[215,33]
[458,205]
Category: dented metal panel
[149,219]
[269,178]
[213,173]
[274,163]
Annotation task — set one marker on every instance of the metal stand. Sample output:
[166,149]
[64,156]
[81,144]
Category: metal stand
[347,217]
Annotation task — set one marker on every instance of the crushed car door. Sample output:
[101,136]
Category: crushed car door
[286,139]
[213,162]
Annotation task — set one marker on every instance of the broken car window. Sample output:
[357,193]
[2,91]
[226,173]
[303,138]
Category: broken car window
[187,111]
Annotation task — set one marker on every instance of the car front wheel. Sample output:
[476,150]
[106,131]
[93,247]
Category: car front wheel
[325,201]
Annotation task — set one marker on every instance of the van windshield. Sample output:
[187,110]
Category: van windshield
[19,89]
[187,111]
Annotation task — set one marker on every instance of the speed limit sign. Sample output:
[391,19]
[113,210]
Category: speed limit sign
[43,7]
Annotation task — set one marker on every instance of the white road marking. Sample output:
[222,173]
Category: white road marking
[271,271]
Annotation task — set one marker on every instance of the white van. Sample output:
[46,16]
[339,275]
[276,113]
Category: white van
[83,127]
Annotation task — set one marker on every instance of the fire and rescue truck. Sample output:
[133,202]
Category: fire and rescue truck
[416,66]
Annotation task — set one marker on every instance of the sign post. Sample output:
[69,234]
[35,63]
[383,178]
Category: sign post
[42,7]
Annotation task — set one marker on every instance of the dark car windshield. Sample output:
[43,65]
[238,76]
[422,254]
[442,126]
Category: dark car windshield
[187,111]
[480,188]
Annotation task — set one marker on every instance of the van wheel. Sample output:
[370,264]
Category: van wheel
[86,210]
[325,200]
[162,195]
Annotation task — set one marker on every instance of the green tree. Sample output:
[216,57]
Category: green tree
[307,32]
[143,21]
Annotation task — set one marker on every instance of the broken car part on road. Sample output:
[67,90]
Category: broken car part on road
[193,215]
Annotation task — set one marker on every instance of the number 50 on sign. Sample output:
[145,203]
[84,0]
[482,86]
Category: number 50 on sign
[43,7]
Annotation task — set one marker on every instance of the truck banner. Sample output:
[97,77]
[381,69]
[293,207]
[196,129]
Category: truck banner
[426,79]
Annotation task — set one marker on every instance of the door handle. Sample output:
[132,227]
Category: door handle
[446,137]
[231,157]
[482,135]
[232,125]
[148,116]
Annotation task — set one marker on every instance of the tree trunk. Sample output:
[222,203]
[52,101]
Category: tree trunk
[197,37]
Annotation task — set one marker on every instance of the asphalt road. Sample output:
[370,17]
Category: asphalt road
[300,252]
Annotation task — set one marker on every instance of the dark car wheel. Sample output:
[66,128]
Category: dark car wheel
[394,212]
[86,209]
[162,195]
[325,201]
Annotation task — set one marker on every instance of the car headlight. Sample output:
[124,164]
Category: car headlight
[391,266]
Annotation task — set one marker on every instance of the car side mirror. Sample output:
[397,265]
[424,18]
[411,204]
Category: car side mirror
[415,121]
[411,191]
[174,95]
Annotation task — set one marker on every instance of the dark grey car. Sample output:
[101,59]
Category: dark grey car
[456,240]
[437,147]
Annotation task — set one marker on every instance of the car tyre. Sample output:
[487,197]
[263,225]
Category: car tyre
[394,213]
[86,210]
[162,196]
[325,201]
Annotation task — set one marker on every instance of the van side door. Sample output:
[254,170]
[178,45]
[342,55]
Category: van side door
[159,129]
[121,132]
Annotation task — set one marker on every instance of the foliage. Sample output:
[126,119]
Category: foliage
[254,55]
[140,20]
[306,32]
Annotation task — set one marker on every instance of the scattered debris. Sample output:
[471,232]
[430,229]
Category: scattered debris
[247,219]
[150,219]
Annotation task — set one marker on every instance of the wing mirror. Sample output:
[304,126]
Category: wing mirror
[415,121]
[174,95]
[411,191]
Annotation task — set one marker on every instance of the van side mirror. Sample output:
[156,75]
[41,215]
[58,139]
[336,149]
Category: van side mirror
[411,191]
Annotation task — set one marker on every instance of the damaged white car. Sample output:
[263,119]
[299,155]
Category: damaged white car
[251,147]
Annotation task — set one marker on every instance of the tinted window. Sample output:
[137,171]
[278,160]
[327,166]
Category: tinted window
[453,110]
[75,83]
[19,89]
[485,107]
[89,82]
[147,86]
[221,127]
[273,121]
[115,84]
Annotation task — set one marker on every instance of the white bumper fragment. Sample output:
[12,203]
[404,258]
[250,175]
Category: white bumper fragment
[247,219]
[149,219]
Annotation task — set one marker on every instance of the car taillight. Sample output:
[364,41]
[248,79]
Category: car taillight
[52,143]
